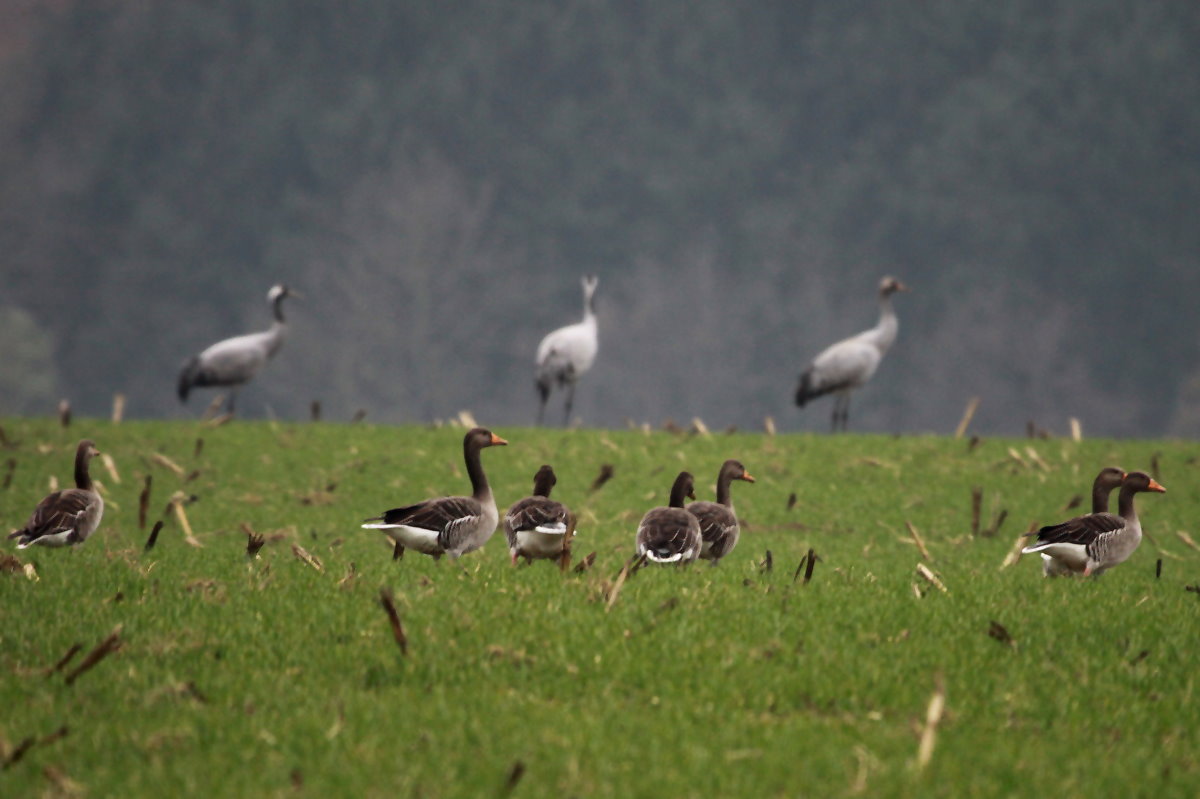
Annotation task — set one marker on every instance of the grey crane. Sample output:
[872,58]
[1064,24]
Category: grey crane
[234,361]
[567,353]
[848,364]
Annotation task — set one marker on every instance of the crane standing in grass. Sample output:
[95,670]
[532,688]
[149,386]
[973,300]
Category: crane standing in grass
[567,353]
[849,364]
[236,360]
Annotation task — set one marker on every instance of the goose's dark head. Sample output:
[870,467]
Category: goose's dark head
[543,481]
[684,487]
[1109,478]
[478,438]
[1137,482]
[736,471]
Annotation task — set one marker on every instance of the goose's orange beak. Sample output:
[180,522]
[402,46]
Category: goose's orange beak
[747,477]
[1154,486]
[497,440]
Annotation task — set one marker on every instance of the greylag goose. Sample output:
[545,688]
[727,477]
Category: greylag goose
[68,516]
[670,534]
[848,364]
[567,353]
[1092,544]
[1109,478]
[536,525]
[450,526]
[719,528]
[234,361]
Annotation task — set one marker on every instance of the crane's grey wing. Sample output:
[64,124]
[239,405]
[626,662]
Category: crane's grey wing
[234,360]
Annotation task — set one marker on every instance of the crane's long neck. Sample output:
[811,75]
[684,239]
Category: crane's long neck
[277,309]
[479,482]
[83,478]
[589,306]
[278,331]
[884,332]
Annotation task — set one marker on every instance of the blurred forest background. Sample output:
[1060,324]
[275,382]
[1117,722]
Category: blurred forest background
[435,177]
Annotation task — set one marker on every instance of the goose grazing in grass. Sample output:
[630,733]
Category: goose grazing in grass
[1109,479]
[1092,544]
[848,364]
[567,353]
[719,528]
[536,527]
[670,534]
[69,516]
[237,360]
[450,526]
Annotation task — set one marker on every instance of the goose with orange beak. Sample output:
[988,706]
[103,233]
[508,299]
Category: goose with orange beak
[1093,544]
[719,528]
[450,526]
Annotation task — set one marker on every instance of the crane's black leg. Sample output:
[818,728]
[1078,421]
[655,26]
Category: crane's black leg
[543,395]
[229,403]
[570,402]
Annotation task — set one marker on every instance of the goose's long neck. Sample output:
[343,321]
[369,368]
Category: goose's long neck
[83,478]
[1126,507]
[542,485]
[1100,497]
[884,333]
[679,492]
[479,482]
[724,479]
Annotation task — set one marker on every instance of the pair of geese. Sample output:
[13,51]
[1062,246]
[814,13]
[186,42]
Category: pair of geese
[537,527]
[1093,543]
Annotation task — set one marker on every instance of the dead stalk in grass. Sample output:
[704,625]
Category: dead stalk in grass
[388,600]
[106,647]
[933,717]
[918,540]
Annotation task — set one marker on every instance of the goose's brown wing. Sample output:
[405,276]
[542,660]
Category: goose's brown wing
[1082,530]
[58,512]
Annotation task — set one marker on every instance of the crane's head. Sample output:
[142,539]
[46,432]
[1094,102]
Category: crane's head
[589,285]
[890,285]
[278,292]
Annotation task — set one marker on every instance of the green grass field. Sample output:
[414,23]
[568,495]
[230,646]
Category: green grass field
[240,677]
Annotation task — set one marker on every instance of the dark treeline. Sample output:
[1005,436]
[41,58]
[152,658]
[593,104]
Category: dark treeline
[435,177]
